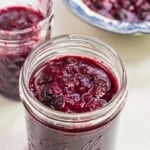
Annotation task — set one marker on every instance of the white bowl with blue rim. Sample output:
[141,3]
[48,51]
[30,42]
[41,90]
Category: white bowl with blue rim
[97,20]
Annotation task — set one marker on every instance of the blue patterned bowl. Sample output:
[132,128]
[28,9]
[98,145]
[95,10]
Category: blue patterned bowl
[91,17]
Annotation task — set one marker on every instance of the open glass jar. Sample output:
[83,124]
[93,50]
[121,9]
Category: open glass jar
[55,130]
[23,26]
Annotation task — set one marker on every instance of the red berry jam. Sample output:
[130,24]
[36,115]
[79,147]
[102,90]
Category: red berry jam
[133,11]
[73,84]
[12,56]
[18,18]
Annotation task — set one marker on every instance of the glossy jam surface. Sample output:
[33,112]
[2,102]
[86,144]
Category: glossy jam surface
[12,57]
[73,84]
[133,11]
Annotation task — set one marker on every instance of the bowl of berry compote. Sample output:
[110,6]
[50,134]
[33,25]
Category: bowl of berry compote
[73,89]
[23,26]
[118,16]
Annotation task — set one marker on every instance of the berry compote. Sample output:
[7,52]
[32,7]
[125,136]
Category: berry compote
[134,11]
[73,89]
[73,84]
[20,33]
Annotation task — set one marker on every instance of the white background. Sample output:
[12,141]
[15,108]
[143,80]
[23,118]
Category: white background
[134,127]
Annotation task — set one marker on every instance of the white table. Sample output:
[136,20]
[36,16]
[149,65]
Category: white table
[134,127]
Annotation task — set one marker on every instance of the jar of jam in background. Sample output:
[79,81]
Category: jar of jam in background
[48,128]
[23,26]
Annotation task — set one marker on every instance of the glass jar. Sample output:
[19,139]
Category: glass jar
[54,130]
[16,44]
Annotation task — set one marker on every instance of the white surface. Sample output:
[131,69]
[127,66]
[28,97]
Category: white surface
[134,128]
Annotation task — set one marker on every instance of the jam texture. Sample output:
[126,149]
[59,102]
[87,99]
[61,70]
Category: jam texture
[134,11]
[73,84]
[18,18]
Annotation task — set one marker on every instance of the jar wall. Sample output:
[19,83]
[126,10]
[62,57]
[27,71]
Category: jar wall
[15,45]
[41,136]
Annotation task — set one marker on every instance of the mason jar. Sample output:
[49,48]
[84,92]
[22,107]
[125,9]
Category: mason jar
[55,130]
[18,38]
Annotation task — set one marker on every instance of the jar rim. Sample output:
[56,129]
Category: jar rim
[69,117]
